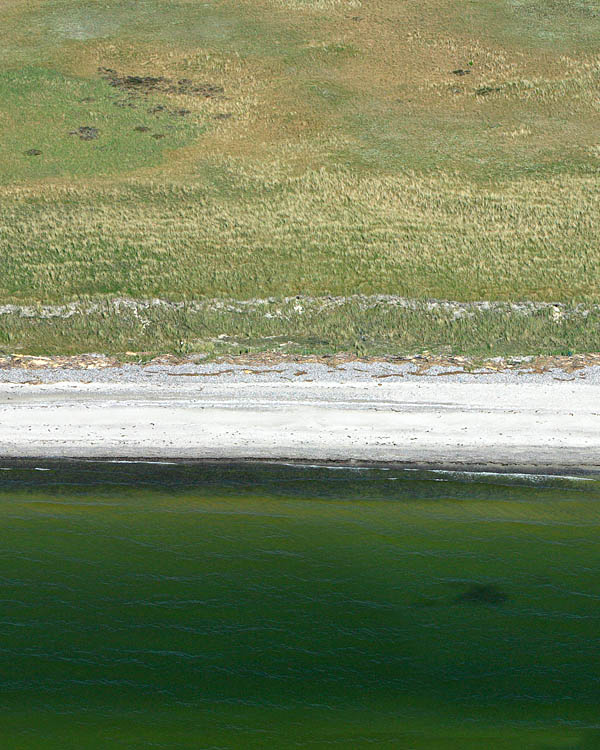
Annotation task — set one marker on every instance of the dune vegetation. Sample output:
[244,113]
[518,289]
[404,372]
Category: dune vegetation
[267,149]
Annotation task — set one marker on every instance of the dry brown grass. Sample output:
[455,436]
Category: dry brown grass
[316,233]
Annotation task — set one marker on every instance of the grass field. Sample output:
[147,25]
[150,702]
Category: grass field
[267,148]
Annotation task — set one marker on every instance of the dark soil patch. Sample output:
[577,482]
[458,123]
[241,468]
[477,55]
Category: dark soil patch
[86,133]
[150,84]
[485,90]
[32,152]
[158,108]
[223,115]
[207,90]
[482,593]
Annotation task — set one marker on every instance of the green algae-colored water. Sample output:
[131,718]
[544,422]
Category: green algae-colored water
[233,606]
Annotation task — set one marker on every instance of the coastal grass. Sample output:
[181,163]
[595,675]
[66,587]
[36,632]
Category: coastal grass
[298,147]
[243,234]
[300,326]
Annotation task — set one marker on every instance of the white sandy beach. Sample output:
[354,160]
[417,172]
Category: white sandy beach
[373,414]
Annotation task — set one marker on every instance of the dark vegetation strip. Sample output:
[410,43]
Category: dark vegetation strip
[366,326]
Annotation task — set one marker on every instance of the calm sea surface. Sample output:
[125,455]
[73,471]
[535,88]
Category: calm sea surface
[231,606]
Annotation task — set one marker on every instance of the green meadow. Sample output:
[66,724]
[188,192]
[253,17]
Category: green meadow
[189,150]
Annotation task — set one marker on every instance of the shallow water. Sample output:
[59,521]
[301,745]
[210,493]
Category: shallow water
[275,606]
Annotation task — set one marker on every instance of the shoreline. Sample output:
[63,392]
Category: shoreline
[359,414]
[455,469]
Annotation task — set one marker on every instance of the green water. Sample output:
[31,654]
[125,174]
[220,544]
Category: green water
[216,606]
